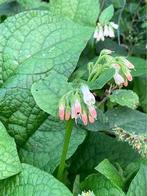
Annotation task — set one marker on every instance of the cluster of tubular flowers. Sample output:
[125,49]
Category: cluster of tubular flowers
[122,71]
[79,103]
[106,30]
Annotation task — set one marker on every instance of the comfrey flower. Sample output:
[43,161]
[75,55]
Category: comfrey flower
[79,103]
[106,30]
[122,71]
[89,193]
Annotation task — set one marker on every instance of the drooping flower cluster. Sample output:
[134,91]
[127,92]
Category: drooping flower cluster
[122,71]
[106,30]
[105,61]
[79,103]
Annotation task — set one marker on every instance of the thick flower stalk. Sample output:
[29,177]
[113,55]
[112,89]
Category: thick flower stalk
[78,104]
[106,30]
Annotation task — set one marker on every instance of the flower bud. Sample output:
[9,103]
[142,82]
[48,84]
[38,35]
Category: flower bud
[106,52]
[84,118]
[88,97]
[77,107]
[118,78]
[101,33]
[61,112]
[67,113]
[96,34]
[111,32]
[93,112]
[106,31]
[91,119]
[129,77]
[115,26]
[127,63]
[73,113]
[126,83]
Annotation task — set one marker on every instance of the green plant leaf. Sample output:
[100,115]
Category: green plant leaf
[81,11]
[32,4]
[9,161]
[3,1]
[116,3]
[76,186]
[47,92]
[106,15]
[130,120]
[32,181]
[140,66]
[97,147]
[106,76]
[100,186]
[141,89]
[138,185]
[8,7]
[125,98]
[52,46]
[110,172]
[44,147]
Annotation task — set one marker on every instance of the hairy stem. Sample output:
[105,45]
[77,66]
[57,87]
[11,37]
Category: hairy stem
[68,132]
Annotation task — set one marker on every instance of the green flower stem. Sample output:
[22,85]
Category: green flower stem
[68,132]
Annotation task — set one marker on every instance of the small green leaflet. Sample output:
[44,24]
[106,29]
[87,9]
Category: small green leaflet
[106,15]
[101,186]
[125,98]
[47,92]
[110,172]
[105,77]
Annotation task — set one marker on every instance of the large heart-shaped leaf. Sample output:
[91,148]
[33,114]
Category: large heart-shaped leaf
[44,148]
[32,181]
[33,43]
[9,161]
